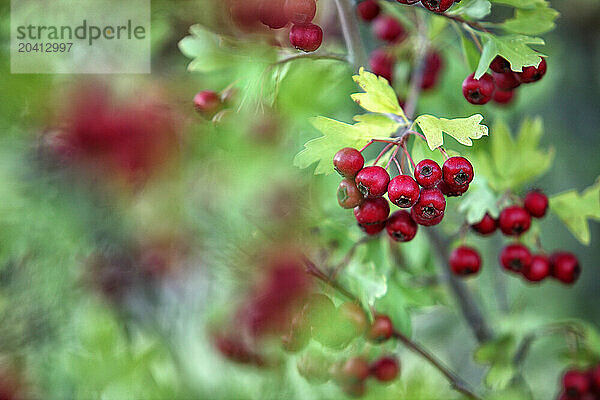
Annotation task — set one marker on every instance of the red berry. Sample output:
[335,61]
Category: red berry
[478,91]
[354,370]
[536,203]
[465,261]
[452,190]
[538,269]
[348,161]
[300,11]
[486,226]
[576,383]
[207,102]
[408,1]
[388,29]
[533,74]
[429,210]
[425,221]
[457,172]
[514,221]
[506,80]
[438,6]
[373,229]
[431,70]
[271,13]
[403,191]
[306,37]
[373,181]
[515,257]
[565,267]
[500,65]
[595,376]
[428,173]
[382,64]
[368,10]
[503,96]
[348,194]
[372,212]
[381,329]
[401,227]
[385,369]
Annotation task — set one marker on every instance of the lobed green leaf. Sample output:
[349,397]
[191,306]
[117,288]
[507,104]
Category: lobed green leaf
[461,129]
[514,48]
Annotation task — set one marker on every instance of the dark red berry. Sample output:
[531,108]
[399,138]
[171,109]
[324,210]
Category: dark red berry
[500,65]
[382,64]
[533,74]
[431,70]
[465,261]
[353,371]
[403,191]
[595,377]
[373,229]
[207,102]
[514,221]
[504,96]
[515,257]
[408,1]
[429,210]
[401,227]
[271,13]
[381,329]
[307,37]
[576,383]
[486,226]
[565,267]
[419,219]
[373,181]
[372,212]
[348,194]
[506,80]
[478,91]
[386,369]
[438,6]
[388,29]
[428,173]
[348,162]
[536,203]
[368,10]
[300,11]
[538,269]
[457,171]
[452,190]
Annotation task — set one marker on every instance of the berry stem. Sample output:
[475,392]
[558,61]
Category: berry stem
[408,157]
[374,141]
[383,152]
[393,157]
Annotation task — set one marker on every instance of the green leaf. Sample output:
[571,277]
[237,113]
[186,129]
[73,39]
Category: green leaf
[476,9]
[498,351]
[478,201]
[365,281]
[534,21]
[526,4]
[461,129]
[379,97]
[499,376]
[514,48]
[575,209]
[337,135]
[470,52]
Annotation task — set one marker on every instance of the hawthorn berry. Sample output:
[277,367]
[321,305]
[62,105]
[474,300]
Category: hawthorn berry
[499,64]
[486,226]
[382,64]
[271,13]
[503,96]
[403,191]
[306,37]
[368,10]
[348,162]
[565,267]
[428,173]
[388,29]
[401,227]
[514,221]
[353,371]
[373,181]
[536,203]
[457,172]
[386,369]
[515,257]
[381,329]
[408,1]
[429,210]
[372,212]
[207,102]
[348,194]
[576,383]
[465,261]
[438,6]
[373,229]
[478,91]
[300,11]
[538,269]
[431,70]
[506,80]
[452,190]
[533,74]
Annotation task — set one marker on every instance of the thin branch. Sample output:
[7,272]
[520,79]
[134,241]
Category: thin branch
[313,56]
[356,50]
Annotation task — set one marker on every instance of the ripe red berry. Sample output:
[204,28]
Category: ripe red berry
[403,191]
[373,181]
[353,371]
[506,80]
[300,11]
[452,190]
[504,96]
[348,161]
[428,173]
[514,221]
[465,261]
[576,383]
[307,37]
[401,227]
[431,70]
[207,102]
[486,226]
[438,6]
[271,13]
[457,172]
[500,65]
[381,329]
[478,91]
[382,64]
[388,29]
[533,74]
[373,229]
[565,267]
[348,194]
[372,212]
[538,269]
[386,369]
[429,210]
[408,1]
[515,257]
[536,203]
[368,10]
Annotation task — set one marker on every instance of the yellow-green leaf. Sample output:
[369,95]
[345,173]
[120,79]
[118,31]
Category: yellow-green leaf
[461,129]
[378,97]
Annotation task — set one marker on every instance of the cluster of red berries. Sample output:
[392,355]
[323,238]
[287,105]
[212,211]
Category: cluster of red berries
[501,84]
[363,188]
[581,385]
[304,35]
[352,374]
